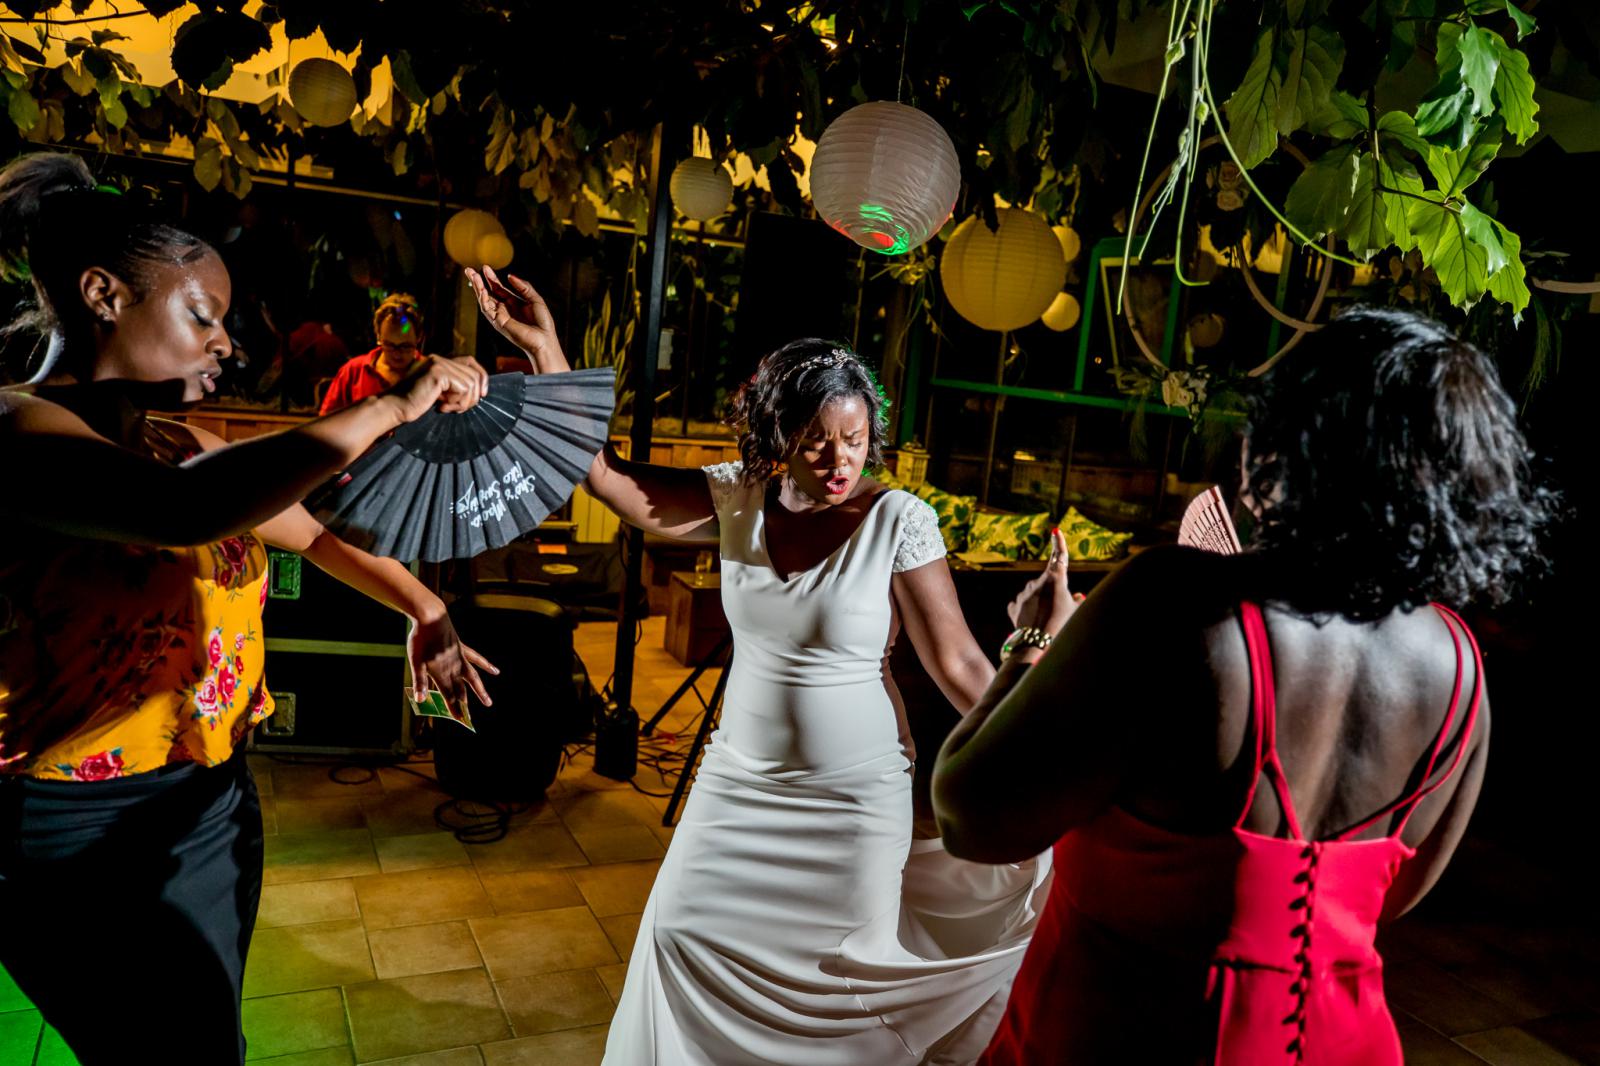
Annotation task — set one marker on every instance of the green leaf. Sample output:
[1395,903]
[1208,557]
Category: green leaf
[1526,23]
[1442,240]
[1444,116]
[1480,62]
[1320,196]
[1314,59]
[1480,227]
[1341,116]
[76,78]
[1402,176]
[1253,107]
[208,168]
[9,59]
[1513,92]
[23,109]
[502,150]
[1403,128]
[101,37]
[111,104]
[1366,228]
[1455,171]
[405,80]
[1509,284]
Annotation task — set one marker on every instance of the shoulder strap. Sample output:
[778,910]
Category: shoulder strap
[1264,718]
[1409,802]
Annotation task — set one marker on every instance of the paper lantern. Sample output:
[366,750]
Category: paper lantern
[1063,312]
[465,231]
[886,176]
[322,91]
[1205,331]
[493,249]
[701,188]
[1004,278]
[1071,244]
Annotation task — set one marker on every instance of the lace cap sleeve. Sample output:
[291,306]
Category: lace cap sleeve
[724,479]
[920,540]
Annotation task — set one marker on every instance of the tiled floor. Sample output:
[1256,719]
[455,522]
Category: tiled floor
[383,939]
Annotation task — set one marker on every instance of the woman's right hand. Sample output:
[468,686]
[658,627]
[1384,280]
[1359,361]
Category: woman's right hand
[452,385]
[1047,602]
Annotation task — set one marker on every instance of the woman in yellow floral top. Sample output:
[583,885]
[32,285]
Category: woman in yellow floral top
[132,577]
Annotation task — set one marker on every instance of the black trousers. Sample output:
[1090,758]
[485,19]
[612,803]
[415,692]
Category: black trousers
[126,908]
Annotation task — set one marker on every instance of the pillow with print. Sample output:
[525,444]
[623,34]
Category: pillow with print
[1089,541]
[1016,536]
[955,514]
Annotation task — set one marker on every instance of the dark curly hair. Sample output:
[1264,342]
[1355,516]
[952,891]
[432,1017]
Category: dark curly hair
[56,222]
[788,389]
[1391,472]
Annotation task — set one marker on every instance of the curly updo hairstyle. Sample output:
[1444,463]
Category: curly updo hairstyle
[56,222]
[1391,471]
[790,386]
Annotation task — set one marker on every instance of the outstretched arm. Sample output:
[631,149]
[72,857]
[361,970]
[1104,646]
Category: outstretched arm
[62,475]
[664,500]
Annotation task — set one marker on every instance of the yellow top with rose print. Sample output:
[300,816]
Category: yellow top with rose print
[119,659]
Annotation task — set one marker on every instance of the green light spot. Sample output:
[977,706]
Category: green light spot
[891,237]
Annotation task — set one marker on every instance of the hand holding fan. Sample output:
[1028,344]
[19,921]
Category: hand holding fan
[1207,524]
[452,486]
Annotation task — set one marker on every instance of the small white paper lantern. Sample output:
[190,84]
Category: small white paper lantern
[465,233]
[701,188]
[493,249]
[1004,278]
[1063,312]
[1071,243]
[886,176]
[322,91]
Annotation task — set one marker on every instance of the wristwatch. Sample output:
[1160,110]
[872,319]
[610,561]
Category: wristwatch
[1025,637]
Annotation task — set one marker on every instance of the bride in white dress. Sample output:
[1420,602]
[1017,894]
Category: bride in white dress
[795,919]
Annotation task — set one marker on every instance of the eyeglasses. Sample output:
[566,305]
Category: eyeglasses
[408,348]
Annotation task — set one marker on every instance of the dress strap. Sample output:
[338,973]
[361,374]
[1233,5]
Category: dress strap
[1264,718]
[1409,802]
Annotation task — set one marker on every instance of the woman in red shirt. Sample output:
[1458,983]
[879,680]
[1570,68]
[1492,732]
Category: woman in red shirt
[1244,763]
[400,331]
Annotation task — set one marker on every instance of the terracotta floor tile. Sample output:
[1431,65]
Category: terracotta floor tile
[305,902]
[296,958]
[461,1056]
[1513,1047]
[404,812]
[431,1012]
[421,851]
[315,815]
[616,888]
[418,949]
[1576,1033]
[596,810]
[530,890]
[546,1002]
[622,930]
[519,945]
[319,856]
[312,781]
[617,843]
[420,897]
[613,977]
[328,1056]
[1423,1046]
[572,1047]
[296,1022]
[1435,997]
[528,847]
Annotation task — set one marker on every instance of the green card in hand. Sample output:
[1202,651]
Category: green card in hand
[435,706]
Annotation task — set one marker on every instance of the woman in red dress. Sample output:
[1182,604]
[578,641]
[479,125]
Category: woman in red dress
[1246,763]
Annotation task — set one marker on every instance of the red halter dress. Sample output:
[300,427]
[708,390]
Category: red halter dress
[1232,948]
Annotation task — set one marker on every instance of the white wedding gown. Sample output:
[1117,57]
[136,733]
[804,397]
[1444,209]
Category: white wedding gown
[794,920]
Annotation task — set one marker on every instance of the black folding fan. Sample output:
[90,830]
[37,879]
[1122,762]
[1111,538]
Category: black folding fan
[452,486]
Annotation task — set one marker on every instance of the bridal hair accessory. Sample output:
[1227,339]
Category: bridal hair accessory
[836,357]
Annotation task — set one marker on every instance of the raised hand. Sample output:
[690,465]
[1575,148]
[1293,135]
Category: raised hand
[519,314]
[1046,602]
[440,662]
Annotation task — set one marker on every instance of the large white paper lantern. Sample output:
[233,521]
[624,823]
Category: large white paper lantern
[1063,312]
[886,176]
[464,236]
[701,188]
[494,250]
[322,91]
[1003,278]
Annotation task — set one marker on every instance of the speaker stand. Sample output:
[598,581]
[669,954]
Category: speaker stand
[708,719]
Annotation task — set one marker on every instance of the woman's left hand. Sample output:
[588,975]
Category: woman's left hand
[519,314]
[440,661]
[1046,602]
